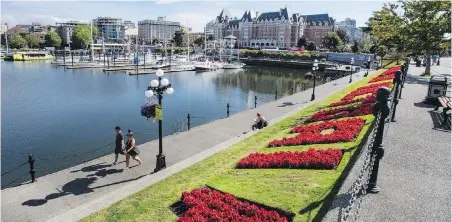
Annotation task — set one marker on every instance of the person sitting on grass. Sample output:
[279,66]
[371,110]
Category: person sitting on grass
[259,123]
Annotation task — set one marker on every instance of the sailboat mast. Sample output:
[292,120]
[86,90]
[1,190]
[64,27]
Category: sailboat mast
[188,43]
[6,39]
[92,50]
[205,41]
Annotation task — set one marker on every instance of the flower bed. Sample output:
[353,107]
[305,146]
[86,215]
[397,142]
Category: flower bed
[348,111]
[311,159]
[344,131]
[382,78]
[365,90]
[206,204]
[367,99]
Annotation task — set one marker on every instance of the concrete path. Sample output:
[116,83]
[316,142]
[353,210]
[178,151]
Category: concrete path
[415,173]
[74,193]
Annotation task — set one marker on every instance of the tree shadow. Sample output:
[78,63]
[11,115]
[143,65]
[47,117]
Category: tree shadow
[284,104]
[416,80]
[94,167]
[424,105]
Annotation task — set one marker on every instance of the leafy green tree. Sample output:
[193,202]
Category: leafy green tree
[302,42]
[355,47]
[311,46]
[366,45]
[332,41]
[426,22]
[343,35]
[81,36]
[52,39]
[199,41]
[179,37]
[16,42]
[33,40]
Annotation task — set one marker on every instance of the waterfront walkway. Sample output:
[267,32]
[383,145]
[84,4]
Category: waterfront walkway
[415,172]
[74,193]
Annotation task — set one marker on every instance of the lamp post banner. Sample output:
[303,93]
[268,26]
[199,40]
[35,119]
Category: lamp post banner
[158,112]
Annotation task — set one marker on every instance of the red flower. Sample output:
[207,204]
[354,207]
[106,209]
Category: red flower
[348,111]
[344,131]
[311,159]
[208,205]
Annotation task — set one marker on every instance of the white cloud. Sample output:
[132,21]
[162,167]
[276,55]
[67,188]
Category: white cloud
[165,2]
[196,21]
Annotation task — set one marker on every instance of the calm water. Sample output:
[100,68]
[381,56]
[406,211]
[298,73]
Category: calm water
[53,113]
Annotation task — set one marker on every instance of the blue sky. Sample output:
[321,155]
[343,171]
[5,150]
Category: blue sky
[197,13]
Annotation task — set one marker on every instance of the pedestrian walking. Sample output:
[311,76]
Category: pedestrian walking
[131,150]
[119,143]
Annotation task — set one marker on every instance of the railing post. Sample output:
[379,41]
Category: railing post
[188,121]
[31,161]
[227,110]
[276,95]
[397,80]
[381,107]
[304,87]
[255,101]
[402,82]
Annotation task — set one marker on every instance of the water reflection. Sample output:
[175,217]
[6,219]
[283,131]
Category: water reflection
[264,80]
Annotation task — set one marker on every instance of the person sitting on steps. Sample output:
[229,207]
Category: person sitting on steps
[259,123]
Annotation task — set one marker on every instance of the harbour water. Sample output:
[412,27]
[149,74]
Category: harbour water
[66,117]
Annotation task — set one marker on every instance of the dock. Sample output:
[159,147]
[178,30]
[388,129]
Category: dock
[145,72]
[128,68]
[96,67]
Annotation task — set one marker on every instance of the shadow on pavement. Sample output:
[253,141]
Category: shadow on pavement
[424,105]
[438,119]
[284,104]
[81,186]
[416,80]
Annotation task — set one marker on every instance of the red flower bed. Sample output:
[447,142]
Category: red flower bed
[382,78]
[348,111]
[311,159]
[205,205]
[365,90]
[367,99]
[344,131]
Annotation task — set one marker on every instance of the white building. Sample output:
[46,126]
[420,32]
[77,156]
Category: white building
[110,29]
[349,26]
[4,28]
[160,29]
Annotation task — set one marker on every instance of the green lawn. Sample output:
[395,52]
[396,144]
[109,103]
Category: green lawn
[302,192]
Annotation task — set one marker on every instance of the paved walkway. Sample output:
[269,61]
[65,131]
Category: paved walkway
[74,193]
[415,173]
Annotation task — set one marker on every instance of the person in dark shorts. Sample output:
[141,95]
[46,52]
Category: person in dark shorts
[259,123]
[131,150]
[119,143]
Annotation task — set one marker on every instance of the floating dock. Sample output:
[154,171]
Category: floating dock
[127,68]
[145,72]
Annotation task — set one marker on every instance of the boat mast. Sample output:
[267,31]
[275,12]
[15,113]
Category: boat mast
[188,43]
[6,39]
[92,52]
[205,42]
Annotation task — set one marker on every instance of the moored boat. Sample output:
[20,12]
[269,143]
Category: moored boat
[29,56]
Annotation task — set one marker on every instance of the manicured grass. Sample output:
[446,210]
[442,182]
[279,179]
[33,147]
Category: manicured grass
[302,192]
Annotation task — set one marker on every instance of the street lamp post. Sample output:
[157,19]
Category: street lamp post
[315,67]
[352,61]
[367,66]
[157,87]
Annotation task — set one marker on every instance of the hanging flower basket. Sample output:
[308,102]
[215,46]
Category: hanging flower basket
[148,110]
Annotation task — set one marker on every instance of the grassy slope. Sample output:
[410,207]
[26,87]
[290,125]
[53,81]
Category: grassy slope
[298,191]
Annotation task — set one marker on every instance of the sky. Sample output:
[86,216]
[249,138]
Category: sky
[193,13]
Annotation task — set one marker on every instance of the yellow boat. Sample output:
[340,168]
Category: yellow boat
[29,56]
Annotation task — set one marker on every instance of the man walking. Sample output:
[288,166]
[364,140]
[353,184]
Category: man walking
[119,143]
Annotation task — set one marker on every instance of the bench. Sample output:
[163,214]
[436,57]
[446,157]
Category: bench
[444,102]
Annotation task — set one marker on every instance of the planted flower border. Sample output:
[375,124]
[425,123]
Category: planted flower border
[344,131]
[206,204]
[311,159]
[337,113]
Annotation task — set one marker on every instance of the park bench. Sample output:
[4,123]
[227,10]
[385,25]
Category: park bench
[444,102]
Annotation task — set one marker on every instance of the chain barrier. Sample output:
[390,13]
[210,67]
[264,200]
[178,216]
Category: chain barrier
[15,168]
[3,187]
[360,185]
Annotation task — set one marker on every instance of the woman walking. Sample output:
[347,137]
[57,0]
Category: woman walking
[131,150]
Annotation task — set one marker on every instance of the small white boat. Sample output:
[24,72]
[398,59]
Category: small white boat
[233,65]
[206,66]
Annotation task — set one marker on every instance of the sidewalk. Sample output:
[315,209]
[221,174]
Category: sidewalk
[74,193]
[415,173]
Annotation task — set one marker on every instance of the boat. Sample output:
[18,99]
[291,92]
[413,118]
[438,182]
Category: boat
[2,55]
[182,67]
[206,66]
[233,65]
[29,56]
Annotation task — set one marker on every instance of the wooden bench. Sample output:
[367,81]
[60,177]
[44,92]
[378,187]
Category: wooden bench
[444,102]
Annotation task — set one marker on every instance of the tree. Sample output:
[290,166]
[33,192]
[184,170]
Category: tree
[343,35]
[33,40]
[426,22]
[366,44]
[16,42]
[302,42]
[355,47]
[199,41]
[52,39]
[332,41]
[311,46]
[179,38]
[81,36]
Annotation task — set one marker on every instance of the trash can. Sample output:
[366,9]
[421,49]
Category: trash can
[418,63]
[437,86]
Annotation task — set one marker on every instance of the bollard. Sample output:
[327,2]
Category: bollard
[31,161]
[381,107]
[114,60]
[64,58]
[397,80]
[104,59]
[276,95]
[255,101]
[188,121]
[304,87]
[227,110]
[108,60]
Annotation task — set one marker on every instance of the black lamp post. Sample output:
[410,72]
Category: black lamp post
[315,67]
[352,61]
[367,66]
[157,87]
